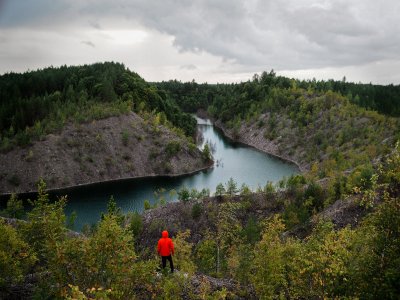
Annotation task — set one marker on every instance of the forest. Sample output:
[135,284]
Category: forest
[331,232]
[37,103]
[191,96]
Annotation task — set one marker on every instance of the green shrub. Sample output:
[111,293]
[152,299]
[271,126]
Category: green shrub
[205,255]
[173,148]
[16,257]
[15,208]
[196,211]
[29,156]
[147,204]
[315,193]
[269,189]
[220,190]
[125,137]
[365,177]
[192,148]
[23,138]
[167,167]
[231,187]
[207,156]
[135,223]
[46,224]
[184,194]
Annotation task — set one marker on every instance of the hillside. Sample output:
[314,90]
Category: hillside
[334,135]
[41,102]
[331,232]
[321,130]
[107,149]
[82,124]
[243,246]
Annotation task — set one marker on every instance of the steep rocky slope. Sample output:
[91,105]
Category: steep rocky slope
[108,149]
[339,136]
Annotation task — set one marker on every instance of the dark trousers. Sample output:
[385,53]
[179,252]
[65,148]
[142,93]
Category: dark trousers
[164,262]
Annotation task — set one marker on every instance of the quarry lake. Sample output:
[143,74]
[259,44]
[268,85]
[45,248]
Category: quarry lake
[243,164]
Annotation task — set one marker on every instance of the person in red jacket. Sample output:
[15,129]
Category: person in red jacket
[165,249]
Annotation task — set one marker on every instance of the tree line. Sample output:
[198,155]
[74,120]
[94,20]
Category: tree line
[191,95]
[36,103]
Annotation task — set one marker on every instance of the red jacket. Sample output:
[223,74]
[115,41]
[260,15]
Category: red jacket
[165,245]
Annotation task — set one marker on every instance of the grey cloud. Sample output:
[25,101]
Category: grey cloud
[266,33]
[20,13]
[189,67]
[95,25]
[290,34]
[88,43]
[340,37]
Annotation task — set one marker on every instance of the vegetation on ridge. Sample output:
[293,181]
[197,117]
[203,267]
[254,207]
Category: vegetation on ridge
[36,103]
[306,122]
[332,232]
[110,262]
[105,121]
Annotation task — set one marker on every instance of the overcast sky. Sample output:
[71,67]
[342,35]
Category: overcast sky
[207,40]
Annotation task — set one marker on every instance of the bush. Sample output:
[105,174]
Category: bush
[135,223]
[192,148]
[220,190]
[316,194]
[207,156]
[196,211]
[205,254]
[167,167]
[15,208]
[23,138]
[16,257]
[125,137]
[365,177]
[147,204]
[231,187]
[46,224]
[269,189]
[105,260]
[260,123]
[183,253]
[172,148]
[184,194]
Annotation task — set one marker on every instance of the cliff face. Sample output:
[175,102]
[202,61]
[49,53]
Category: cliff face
[108,149]
[252,135]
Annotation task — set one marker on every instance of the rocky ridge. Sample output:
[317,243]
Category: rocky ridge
[120,147]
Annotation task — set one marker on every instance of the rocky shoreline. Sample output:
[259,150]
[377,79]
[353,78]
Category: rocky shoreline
[116,148]
[210,165]
[253,137]
[47,159]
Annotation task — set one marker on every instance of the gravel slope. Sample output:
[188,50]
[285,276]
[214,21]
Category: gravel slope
[108,149]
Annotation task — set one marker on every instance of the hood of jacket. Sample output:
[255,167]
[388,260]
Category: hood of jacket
[164,234]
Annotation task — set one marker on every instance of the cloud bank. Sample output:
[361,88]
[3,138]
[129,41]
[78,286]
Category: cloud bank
[207,39]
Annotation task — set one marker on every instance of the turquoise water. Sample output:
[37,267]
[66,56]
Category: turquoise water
[243,164]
